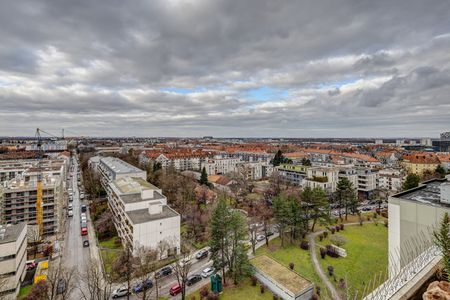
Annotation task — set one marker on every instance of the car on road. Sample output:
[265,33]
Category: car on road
[61,286]
[84,231]
[270,233]
[85,243]
[120,292]
[70,206]
[163,272]
[185,261]
[83,208]
[201,254]
[175,290]
[260,237]
[207,272]
[83,220]
[83,225]
[70,213]
[193,279]
[141,286]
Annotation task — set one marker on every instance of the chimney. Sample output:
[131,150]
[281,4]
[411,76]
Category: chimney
[155,208]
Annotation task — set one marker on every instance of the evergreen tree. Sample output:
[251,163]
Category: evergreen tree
[346,196]
[280,159]
[440,171]
[204,177]
[442,240]
[282,214]
[306,162]
[320,207]
[412,181]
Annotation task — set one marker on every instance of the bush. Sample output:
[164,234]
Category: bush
[254,281]
[304,245]
[338,240]
[386,223]
[321,237]
[338,228]
[330,270]
[291,266]
[342,226]
[323,252]
[275,297]
[342,283]
[318,290]
[204,292]
[325,234]
[375,215]
[331,251]
[333,230]
[368,218]
[193,298]
[212,297]
[262,289]
[315,297]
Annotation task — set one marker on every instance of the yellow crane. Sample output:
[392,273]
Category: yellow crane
[39,201]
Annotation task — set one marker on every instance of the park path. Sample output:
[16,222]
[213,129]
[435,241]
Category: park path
[312,249]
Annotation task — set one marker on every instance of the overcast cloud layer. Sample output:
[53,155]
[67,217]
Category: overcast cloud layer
[225,68]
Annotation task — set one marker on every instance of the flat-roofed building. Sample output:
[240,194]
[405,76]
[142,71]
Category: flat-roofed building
[323,177]
[13,255]
[141,215]
[112,168]
[220,165]
[292,173]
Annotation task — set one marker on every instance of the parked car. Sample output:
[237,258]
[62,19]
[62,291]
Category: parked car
[31,264]
[85,243]
[207,272]
[141,286]
[201,254]
[70,206]
[185,261]
[83,225]
[83,220]
[84,231]
[120,292]
[175,290]
[193,279]
[163,272]
[269,233]
[83,208]
[61,286]
[70,213]
[260,237]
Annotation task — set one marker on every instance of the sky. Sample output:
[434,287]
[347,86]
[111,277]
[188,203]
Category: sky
[249,68]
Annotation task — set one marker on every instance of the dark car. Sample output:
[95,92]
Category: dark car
[201,254]
[163,272]
[141,286]
[86,243]
[83,208]
[193,279]
[61,286]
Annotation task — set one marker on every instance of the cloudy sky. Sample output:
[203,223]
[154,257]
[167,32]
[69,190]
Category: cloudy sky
[225,68]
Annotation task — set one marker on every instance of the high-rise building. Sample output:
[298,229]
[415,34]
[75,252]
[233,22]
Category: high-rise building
[444,143]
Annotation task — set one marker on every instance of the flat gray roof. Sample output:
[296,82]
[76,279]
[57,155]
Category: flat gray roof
[118,165]
[142,215]
[131,198]
[428,192]
[12,232]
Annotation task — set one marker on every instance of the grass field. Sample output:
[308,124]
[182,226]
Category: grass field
[367,255]
[109,251]
[24,291]
[292,253]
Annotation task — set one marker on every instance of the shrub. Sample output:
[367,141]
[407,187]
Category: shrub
[315,297]
[325,234]
[254,281]
[291,266]
[330,270]
[204,292]
[304,245]
[333,230]
[318,290]
[342,283]
[384,214]
[386,223]
[331,251]
[262,289]
[338,228]
[375,215]
[323,252]
[368,218]
[212,297]
[275,297]
[320,237]
[342,226]
[193,298]
[338,240]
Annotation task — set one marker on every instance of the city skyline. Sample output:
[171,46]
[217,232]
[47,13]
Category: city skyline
[246,69]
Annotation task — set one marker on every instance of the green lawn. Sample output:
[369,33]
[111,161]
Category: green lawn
[367,255]
[110,243]
[242,291]
[293,253]
[24,291]
[109,251]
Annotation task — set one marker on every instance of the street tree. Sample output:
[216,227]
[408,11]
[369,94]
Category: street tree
[182,267]
[123,267]
[145,263]
[92,284]
[411,181]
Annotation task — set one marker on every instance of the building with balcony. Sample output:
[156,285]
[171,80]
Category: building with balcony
[323,177]
[112,168]
[13,255]
[419,163]
[292,174]
[219,166]
[367,181]
[390,180]
[142,217]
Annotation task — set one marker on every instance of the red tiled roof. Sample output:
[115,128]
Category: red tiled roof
[421,158]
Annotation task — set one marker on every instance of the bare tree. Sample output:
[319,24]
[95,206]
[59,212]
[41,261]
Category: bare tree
[60,275]
[93,285]
[34,238]
[182,266]
[145,264]
[123,266]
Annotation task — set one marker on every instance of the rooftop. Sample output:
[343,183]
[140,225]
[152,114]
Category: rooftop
[12,232]
[132,185]
[292,281]
[119,166]
[142,215]
[429,193]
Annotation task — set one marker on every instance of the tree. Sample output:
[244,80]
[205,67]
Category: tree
[289,217]
[58,273]
[442,240]
[182,267]
[306,162]
[279,159]
[146,263]
[40,291]
[282,216]
[93,285]
[440,171]
[105,226]
[318,206]
[204,177]
[412,181]
[346,197]
[123,267]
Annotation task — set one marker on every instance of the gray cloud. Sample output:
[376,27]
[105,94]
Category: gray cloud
[351,68]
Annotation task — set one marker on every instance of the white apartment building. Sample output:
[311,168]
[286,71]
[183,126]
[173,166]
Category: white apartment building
[350,173]
[220,165]
[390,180]
[93,163]
[367,181]
[325,178]
[141,215]
[49,146]
[255,170]
[13,255]
[112,168]
[292,173]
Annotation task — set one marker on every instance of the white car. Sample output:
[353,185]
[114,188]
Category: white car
[83,215]
[83,219]
[70,213]
[185,261]
[207,272]
[260,237]
[120,292]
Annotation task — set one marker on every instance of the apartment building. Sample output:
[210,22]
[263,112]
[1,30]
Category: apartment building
[112,168]
[292,174]
[367,182]
[49,146]
[13,255]
[141,215]
[348,172]
[419,163]
[415,213]
[390,180]
[181,159]
[255,170]
[218,166]
[325,178]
